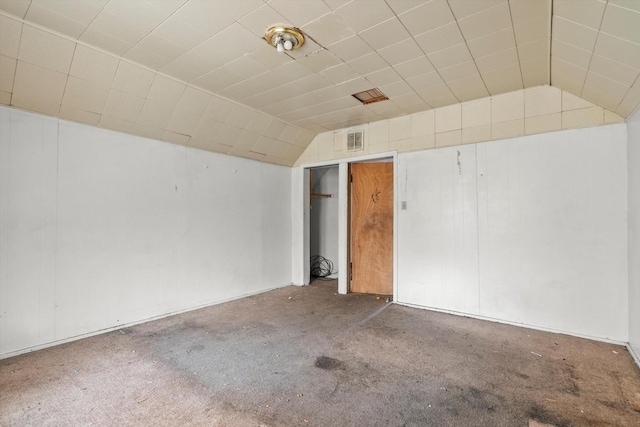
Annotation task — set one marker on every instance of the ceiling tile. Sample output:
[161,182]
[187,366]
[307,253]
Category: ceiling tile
[10,31]
[542,100]
[425,81]
[486,22]
[535,72]
[120,28]
[217,80]
[161,47]
[265,56]
[183,122]
[7,73]
[212,17]
[300,12]
[605,84]
[522,11]
[568,69]
[476,113]
[617,49]
[85,95]
[35,104]
[580,118]
[143,14]
[180,33]
[175,138]
[450,56]
[148,131]
[218,109]
[166,91]
[133,79]
[383,77]
[532,29]
[464,8]
[261,19]
[5,98]
[328,29]
[54,21]
[459,71]
[339,74]
[319,61]
[566,82]
[78,10]
[503,80]
[426,17]
[122,106]
[396,89]
[574,34]
[468,88]
[629,4]
[414,67]
[119,125]
[367,64]
[188,67]
[602,98]
[448,118]
[441,38]
[401,52]
[385,34]
[493,43]
[93,65]
[613,70]
[585,12]
[76,115]
[571,53]
[534,49]
[105,41]
[246,67]
[15,7]
[501,59]
[401,6]
[622,23]
[34,82]
[45,49]
[629,104]
[194,101]
[147,58]
[350,48]
[362,14]
[155,115]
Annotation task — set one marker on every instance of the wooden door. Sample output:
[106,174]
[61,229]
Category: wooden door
[371,228]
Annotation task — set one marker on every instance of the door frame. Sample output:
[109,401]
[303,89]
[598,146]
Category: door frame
[301,219]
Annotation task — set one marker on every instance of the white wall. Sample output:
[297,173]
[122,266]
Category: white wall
[100,229]
[529,230]
[633,157]
[324,215]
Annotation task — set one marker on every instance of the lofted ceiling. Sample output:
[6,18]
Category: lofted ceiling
[199,73]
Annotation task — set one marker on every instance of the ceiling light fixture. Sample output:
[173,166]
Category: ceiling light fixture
[284,38]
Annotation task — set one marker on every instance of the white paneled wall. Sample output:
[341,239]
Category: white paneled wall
[100,229]
[529,230]
[438,238]
[633,155]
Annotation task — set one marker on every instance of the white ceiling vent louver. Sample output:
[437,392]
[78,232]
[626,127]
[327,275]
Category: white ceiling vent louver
[355,140]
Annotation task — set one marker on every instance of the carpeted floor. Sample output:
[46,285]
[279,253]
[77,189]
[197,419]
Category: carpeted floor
[305,356]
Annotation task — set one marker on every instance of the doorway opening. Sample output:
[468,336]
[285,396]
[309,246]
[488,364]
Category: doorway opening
[323,222]
[324,174]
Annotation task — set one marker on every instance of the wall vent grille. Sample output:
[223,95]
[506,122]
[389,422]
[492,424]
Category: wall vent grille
[355,140]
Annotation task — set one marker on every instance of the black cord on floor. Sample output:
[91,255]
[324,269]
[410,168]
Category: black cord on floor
[321,267]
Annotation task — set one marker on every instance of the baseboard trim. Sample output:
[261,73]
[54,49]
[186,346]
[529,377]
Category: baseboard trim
[522,325]
[634,355]
[134,323]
